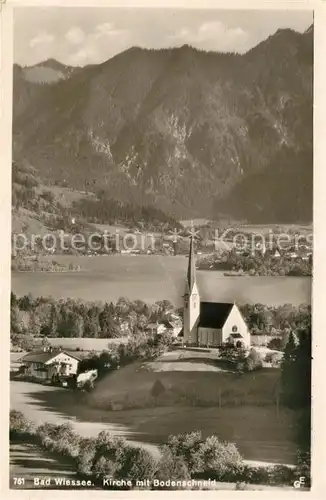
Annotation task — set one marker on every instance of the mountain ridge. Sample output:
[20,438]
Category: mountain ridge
[179,128]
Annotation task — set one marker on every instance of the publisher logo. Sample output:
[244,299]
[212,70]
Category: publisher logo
[299,482]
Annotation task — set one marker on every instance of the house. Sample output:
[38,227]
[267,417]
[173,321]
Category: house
[210,323]
[49,365]
[277,254]
[155,328]
[174,327]
[84,377]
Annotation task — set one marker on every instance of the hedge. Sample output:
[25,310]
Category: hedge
[183,457]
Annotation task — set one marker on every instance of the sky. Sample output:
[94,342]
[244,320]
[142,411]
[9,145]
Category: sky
[81,36]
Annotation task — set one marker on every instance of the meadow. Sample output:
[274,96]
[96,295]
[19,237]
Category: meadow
[241,409]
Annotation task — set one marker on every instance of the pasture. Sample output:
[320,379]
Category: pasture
[211,385]
[195,394]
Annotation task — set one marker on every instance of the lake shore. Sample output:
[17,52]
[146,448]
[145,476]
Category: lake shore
[153,278]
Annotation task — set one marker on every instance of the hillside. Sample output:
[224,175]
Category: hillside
[187,131]
[38,208]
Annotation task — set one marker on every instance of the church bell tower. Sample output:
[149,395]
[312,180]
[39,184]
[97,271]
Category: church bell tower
[191,310]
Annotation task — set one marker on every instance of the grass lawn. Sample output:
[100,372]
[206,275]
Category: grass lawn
[238,408]
[131,386]
[28,461]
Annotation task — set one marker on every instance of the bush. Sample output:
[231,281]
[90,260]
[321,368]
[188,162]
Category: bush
[86,456]
[138,464]
[104,468]
[184,456]
[208,458]
[48,430]
[303,466]
[280,474]
[68,441]
[253,361]
[88,385]
[171,467]
[18,424]
[275,343]
[220,460]
[187,447]
[254,475]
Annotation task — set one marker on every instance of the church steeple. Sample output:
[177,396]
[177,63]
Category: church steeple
[191,310]
[191,274]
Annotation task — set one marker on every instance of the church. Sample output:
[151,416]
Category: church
[210,324]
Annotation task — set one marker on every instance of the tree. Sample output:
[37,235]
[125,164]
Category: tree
[26,303]
[289,372]
[142,322]
[296,386]
[157,389]
[106,322]
[34,324]
[15,322]
[92,326]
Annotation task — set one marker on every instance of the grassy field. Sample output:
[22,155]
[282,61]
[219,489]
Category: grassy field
[239,408]
[248,415]
[131,386]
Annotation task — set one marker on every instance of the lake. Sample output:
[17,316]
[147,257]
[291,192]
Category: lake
[153,278]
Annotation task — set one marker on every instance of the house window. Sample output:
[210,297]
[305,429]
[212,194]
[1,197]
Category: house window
[234,328]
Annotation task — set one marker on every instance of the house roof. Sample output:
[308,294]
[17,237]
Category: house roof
[171,324]
[214,314]
[45,356]
[152,325]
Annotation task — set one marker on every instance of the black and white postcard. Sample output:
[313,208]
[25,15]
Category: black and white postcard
[160,295]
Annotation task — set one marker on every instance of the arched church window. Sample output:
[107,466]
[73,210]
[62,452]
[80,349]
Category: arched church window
[234,329]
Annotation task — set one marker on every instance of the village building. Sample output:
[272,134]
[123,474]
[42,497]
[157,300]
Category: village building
[172,327]
[210,324]
[49,365]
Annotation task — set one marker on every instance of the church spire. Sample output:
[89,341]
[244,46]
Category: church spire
[191,274]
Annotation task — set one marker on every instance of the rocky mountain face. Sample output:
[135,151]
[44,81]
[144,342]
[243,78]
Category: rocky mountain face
[194,133]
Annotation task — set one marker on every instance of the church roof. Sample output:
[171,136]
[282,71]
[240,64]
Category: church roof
[214,314]
[191,274]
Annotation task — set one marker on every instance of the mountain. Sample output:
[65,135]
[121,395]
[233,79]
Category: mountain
[49,71]
[188,131]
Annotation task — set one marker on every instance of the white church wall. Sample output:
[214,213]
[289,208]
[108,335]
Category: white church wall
[209,336]
[191,317]
[235,319]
